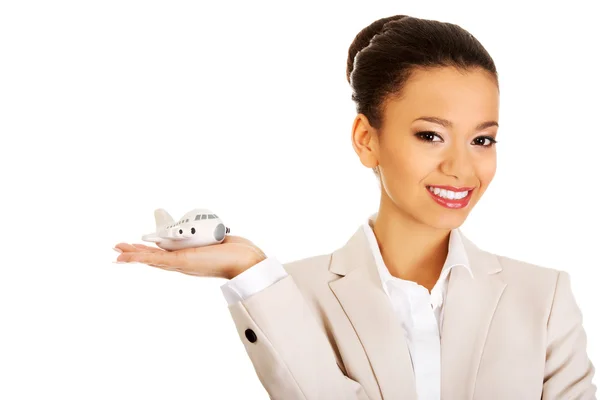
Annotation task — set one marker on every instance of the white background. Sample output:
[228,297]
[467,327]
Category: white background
[110,109]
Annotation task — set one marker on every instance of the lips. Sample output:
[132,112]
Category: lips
[451,203]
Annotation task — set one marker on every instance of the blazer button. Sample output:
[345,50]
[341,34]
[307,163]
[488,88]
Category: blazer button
[250,335]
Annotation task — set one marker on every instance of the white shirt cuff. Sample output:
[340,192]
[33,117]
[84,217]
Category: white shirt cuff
[253,280]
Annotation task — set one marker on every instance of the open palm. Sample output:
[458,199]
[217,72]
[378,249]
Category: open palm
[224,260]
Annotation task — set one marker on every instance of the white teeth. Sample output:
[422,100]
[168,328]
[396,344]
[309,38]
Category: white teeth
[448,194]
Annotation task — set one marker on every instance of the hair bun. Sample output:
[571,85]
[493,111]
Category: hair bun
[363,39]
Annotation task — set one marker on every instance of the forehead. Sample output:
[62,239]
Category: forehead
[462,96]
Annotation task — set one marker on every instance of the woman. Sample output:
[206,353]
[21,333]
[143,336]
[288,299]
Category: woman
[409,307]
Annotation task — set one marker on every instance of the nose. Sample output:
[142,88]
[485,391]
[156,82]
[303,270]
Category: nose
[458,163]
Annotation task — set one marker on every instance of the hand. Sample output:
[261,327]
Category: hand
[225,260]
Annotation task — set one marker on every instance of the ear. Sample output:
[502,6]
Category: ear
[365,141]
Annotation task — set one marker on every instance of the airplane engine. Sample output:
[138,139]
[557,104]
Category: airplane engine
[219,232]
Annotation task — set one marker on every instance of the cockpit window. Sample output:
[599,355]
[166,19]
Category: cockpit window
[198,217]
[203,216]
[211,216]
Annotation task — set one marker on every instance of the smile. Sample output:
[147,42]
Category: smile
[449,198]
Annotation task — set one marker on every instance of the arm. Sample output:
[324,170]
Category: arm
[568,373]
[289,350]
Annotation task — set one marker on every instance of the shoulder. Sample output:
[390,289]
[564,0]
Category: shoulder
[516,270]
[530,282]
[532,293]
[510,269]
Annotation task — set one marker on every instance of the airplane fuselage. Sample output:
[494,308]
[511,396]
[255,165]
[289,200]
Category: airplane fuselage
[197,228]
[195,234]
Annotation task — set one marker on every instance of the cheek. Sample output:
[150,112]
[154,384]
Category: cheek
[408,163]
[486,170]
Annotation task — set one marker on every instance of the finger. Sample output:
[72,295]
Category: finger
[166,259]
[126,247]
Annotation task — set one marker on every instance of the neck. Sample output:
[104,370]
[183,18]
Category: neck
[410,250]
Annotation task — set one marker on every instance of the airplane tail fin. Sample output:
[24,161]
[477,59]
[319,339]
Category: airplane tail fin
[162,218]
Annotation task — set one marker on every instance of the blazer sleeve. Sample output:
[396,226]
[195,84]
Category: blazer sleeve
[288,349]
[568,372]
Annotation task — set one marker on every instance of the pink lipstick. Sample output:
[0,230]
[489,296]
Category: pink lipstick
[451,203]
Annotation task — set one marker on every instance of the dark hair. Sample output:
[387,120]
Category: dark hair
[383,55]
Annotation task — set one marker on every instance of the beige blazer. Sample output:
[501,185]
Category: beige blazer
[328,331]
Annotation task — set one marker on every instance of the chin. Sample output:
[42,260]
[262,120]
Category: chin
[446,217]
[446,222]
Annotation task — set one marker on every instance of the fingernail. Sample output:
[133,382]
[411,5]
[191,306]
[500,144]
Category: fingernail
[117,250]
[119,262]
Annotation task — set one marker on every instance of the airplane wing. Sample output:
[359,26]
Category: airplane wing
[151,237]
[173,237]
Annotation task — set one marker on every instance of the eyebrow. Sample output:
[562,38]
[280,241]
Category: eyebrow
[447,124]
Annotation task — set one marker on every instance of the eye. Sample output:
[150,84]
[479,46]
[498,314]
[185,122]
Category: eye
[485,141]
[428,136]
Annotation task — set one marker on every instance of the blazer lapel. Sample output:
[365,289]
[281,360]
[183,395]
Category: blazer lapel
[468,311]
[370,311]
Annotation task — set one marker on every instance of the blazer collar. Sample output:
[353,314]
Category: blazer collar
[468,308]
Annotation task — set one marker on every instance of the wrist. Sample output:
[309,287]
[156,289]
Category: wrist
[238,269]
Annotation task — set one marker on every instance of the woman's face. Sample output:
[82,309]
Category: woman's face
[440,133]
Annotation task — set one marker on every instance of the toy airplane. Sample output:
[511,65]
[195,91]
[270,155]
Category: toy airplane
[199,227]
